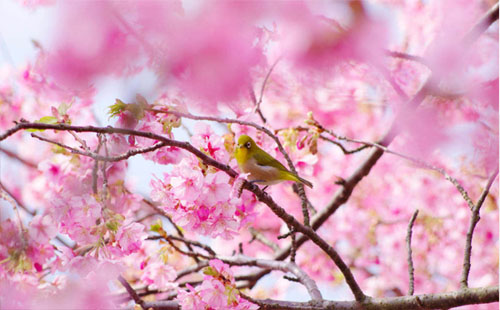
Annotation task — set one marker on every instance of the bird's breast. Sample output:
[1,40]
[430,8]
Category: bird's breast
[268,175]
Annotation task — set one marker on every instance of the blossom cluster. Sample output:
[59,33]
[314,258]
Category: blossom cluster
[217,291]
[198,196]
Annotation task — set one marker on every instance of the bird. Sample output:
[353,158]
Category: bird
[262,167]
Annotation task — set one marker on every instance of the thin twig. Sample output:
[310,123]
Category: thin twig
[257,235]
[472,224]
[22,230]
[96,156]
[96,162]
[417,161]
[185,241]
[18,158]
[411,270]
[406,56]
[263,87]
[104,168]
[32,213]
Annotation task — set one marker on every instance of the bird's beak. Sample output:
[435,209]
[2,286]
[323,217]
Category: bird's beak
[240,146]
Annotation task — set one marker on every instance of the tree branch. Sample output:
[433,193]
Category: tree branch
[291,267]
[472,224]
[98,157]
[411,270]
[132,292]
[463,297]
[18,158]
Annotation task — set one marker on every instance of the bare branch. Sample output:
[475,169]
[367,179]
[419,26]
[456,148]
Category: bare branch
[263,87]
[291,267]
[257,235]
[447,300]
[311,234]
[411,270]
[18,158]
[185,241]
[484,23]
[132,292]
[406,56]
[417,161]
[98,157]
[31,212]
[472,224]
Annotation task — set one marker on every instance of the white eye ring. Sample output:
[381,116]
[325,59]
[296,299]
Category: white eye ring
[248,145]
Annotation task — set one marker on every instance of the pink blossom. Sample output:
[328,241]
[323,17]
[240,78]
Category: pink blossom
[130,237]
[208,61]
[187,184]
[222,269]
[159,275]
[216,187]
[96,46]
[319,42]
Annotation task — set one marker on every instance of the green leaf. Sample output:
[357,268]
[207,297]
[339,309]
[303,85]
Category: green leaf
[116,108]
[48,120]
[44,120]
[232,295]
[157,227]
[112,225]
[209,271]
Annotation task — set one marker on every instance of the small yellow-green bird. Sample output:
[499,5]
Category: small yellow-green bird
[262,167]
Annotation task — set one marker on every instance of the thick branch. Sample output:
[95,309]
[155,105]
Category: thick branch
[311,234]
[463,297]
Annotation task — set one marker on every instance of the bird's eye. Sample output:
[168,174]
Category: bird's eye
[248,145]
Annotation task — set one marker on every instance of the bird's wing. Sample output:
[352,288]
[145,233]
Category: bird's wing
[264,159]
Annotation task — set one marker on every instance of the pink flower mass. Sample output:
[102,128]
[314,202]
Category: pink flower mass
[120,180]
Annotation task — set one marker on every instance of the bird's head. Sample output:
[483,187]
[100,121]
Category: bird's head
[246,143]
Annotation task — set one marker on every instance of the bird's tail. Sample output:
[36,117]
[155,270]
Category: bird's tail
[305,182]
[288,175]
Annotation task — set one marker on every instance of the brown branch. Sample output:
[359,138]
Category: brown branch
[447,300]
[406,56]
[259,236]
[484,23]
[417,161]
[18,158]
[132,292]
[411,270]
[291,267]
[98,157]
[472,224]
[263,87]
[312,235]
[186,242]
[31,212]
